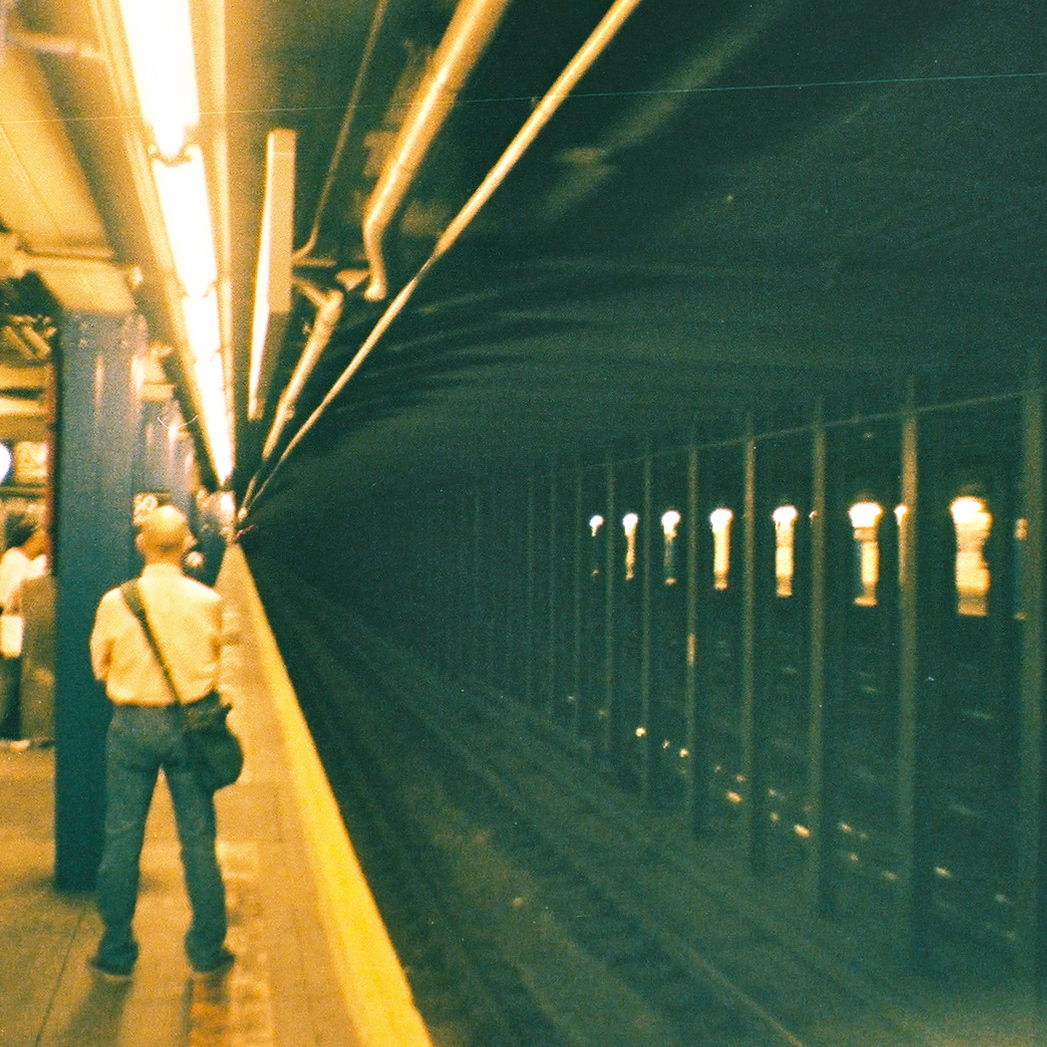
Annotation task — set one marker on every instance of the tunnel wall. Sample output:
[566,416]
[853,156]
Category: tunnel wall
[818,645]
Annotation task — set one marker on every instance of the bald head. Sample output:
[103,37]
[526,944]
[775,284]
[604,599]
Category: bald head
[164,535]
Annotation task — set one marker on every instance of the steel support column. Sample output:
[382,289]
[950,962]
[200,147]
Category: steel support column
[531,610]
[98,444]
[552,664]
[646,539]
[576,641]
[610,639]
[696,767]
[910,923]
[755,800]
[818,868]
[479,624]
[1031,924]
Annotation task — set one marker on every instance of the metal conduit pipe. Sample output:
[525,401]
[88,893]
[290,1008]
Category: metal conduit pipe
[593,47]
[46,43]
[470,30]
[377,21]
[329,306]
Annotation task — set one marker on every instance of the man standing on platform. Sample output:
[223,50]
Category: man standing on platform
[145,735]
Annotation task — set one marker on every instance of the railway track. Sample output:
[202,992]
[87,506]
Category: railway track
[528,904]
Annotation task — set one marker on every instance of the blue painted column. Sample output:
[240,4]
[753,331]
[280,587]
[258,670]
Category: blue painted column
[98,446]
[166,460]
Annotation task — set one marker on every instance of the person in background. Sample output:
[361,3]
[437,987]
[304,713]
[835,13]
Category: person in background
[145,736]
[26,557]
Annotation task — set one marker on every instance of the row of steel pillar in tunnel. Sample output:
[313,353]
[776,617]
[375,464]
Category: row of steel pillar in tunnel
[819,644]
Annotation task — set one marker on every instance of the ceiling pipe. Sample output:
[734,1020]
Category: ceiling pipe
[19,261]
[93,273]
[13,34]
[468,33]
[301,255]
[19,334]
[593,47]
[329,306]
[45,43]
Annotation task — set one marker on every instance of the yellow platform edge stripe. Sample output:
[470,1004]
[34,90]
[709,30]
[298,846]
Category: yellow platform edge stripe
[377,995]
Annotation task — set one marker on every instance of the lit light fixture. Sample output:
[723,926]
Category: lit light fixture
[629,524]
[670,525]
[785,539]
[865,519]
[182,188]
[160,40]
[160,43]
[721,523]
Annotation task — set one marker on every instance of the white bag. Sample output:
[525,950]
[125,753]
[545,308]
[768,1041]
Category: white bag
[11,629]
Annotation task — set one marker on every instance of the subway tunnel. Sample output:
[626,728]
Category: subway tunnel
[651,394]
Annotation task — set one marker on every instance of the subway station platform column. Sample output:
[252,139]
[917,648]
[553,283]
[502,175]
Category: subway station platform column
[97,438]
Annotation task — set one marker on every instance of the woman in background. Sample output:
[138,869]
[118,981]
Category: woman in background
[25,558]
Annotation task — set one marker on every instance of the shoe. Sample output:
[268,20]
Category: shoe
[223,962]
[108,972]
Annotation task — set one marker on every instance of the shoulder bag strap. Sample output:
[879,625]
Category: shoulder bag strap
[133,599]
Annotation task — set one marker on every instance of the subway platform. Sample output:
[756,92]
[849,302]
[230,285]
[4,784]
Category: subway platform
[314,965]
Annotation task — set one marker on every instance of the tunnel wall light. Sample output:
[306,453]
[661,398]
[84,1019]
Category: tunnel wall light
[865,521]
[160,45]
[784,517]
[720,519]
[670,528]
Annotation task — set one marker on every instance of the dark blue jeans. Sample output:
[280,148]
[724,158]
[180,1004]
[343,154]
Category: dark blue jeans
[140,742]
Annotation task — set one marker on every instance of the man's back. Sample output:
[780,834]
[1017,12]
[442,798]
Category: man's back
[186,618]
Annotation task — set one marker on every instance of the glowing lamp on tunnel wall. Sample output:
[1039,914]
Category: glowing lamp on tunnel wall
[629,524]
[865,521]
[720,519]
[5,462]
[784,548]
[973,522]
[670,526]
[595,523]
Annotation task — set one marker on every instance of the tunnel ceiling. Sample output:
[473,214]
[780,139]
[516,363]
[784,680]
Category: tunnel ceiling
[742,207]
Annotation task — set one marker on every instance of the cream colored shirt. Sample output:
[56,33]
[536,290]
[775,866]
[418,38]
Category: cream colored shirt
[186,619]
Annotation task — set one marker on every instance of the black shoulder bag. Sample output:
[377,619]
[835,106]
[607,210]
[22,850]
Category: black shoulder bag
[215,752]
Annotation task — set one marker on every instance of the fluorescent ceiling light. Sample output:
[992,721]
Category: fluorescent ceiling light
[160,40]
[201,322]
[182,189]
[205,351]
